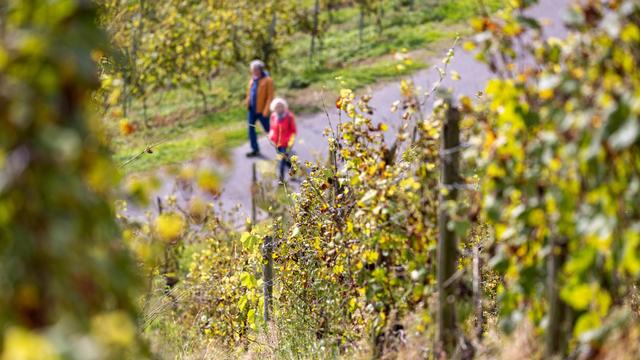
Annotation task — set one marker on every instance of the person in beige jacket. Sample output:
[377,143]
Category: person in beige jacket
[259,96]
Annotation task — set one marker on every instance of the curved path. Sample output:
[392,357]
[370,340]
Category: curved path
[311,144]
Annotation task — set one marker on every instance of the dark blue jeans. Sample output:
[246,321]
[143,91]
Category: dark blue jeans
[284,161]
[253,137]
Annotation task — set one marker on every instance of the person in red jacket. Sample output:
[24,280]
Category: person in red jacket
[282,132]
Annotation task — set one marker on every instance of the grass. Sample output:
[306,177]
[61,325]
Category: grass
[176,118]
[185,145]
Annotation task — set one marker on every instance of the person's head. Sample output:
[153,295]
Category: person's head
[256,66]
[279,106]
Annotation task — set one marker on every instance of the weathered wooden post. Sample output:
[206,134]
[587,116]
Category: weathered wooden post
[159,203]
[447,243]
[267,271]
[477,291]
[254,192]
[333,161]
[559,312]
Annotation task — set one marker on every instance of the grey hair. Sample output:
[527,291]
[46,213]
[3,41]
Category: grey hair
[256,63]
[277,101]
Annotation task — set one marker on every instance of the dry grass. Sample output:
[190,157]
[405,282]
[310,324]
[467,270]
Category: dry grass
[416,343]
[522,344]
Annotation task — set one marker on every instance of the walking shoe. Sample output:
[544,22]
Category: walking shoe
[253,154]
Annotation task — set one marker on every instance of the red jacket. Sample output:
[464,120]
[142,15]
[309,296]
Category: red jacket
[280,131]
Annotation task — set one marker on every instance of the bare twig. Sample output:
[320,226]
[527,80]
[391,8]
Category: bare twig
[147,150]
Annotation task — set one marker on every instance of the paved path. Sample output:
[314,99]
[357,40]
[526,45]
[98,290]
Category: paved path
[311,144]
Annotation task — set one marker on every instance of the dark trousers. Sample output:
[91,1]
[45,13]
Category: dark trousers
[284,161]
[253,137]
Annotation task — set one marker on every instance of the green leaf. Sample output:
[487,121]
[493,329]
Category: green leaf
[248,280]
[580,260]
[251,319]
[460,227]
[248,241]
[631,257]
[586,322]
[528,21]
[242,303]
[578,296]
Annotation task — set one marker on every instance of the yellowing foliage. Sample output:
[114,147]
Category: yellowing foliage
[560,166]
[62,261]
[23,344]
[169,227]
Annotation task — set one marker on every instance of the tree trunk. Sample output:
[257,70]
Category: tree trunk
[145,116]
[136,39]
[314,31]
[203,97]
[267,49]
[379,17]
[330,11]
[361,24]
[125,97]
[130,75]
[3,19]
[210,84]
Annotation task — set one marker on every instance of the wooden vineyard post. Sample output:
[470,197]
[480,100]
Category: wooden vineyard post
[254,192]
[477,291]
[267,271]
[333,160]
[447,243]
[559,312]
[159,201]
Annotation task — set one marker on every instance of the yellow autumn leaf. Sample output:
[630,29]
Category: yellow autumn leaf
[198,209]
[209,181]
[113,328]
[169,226]
[23,344]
